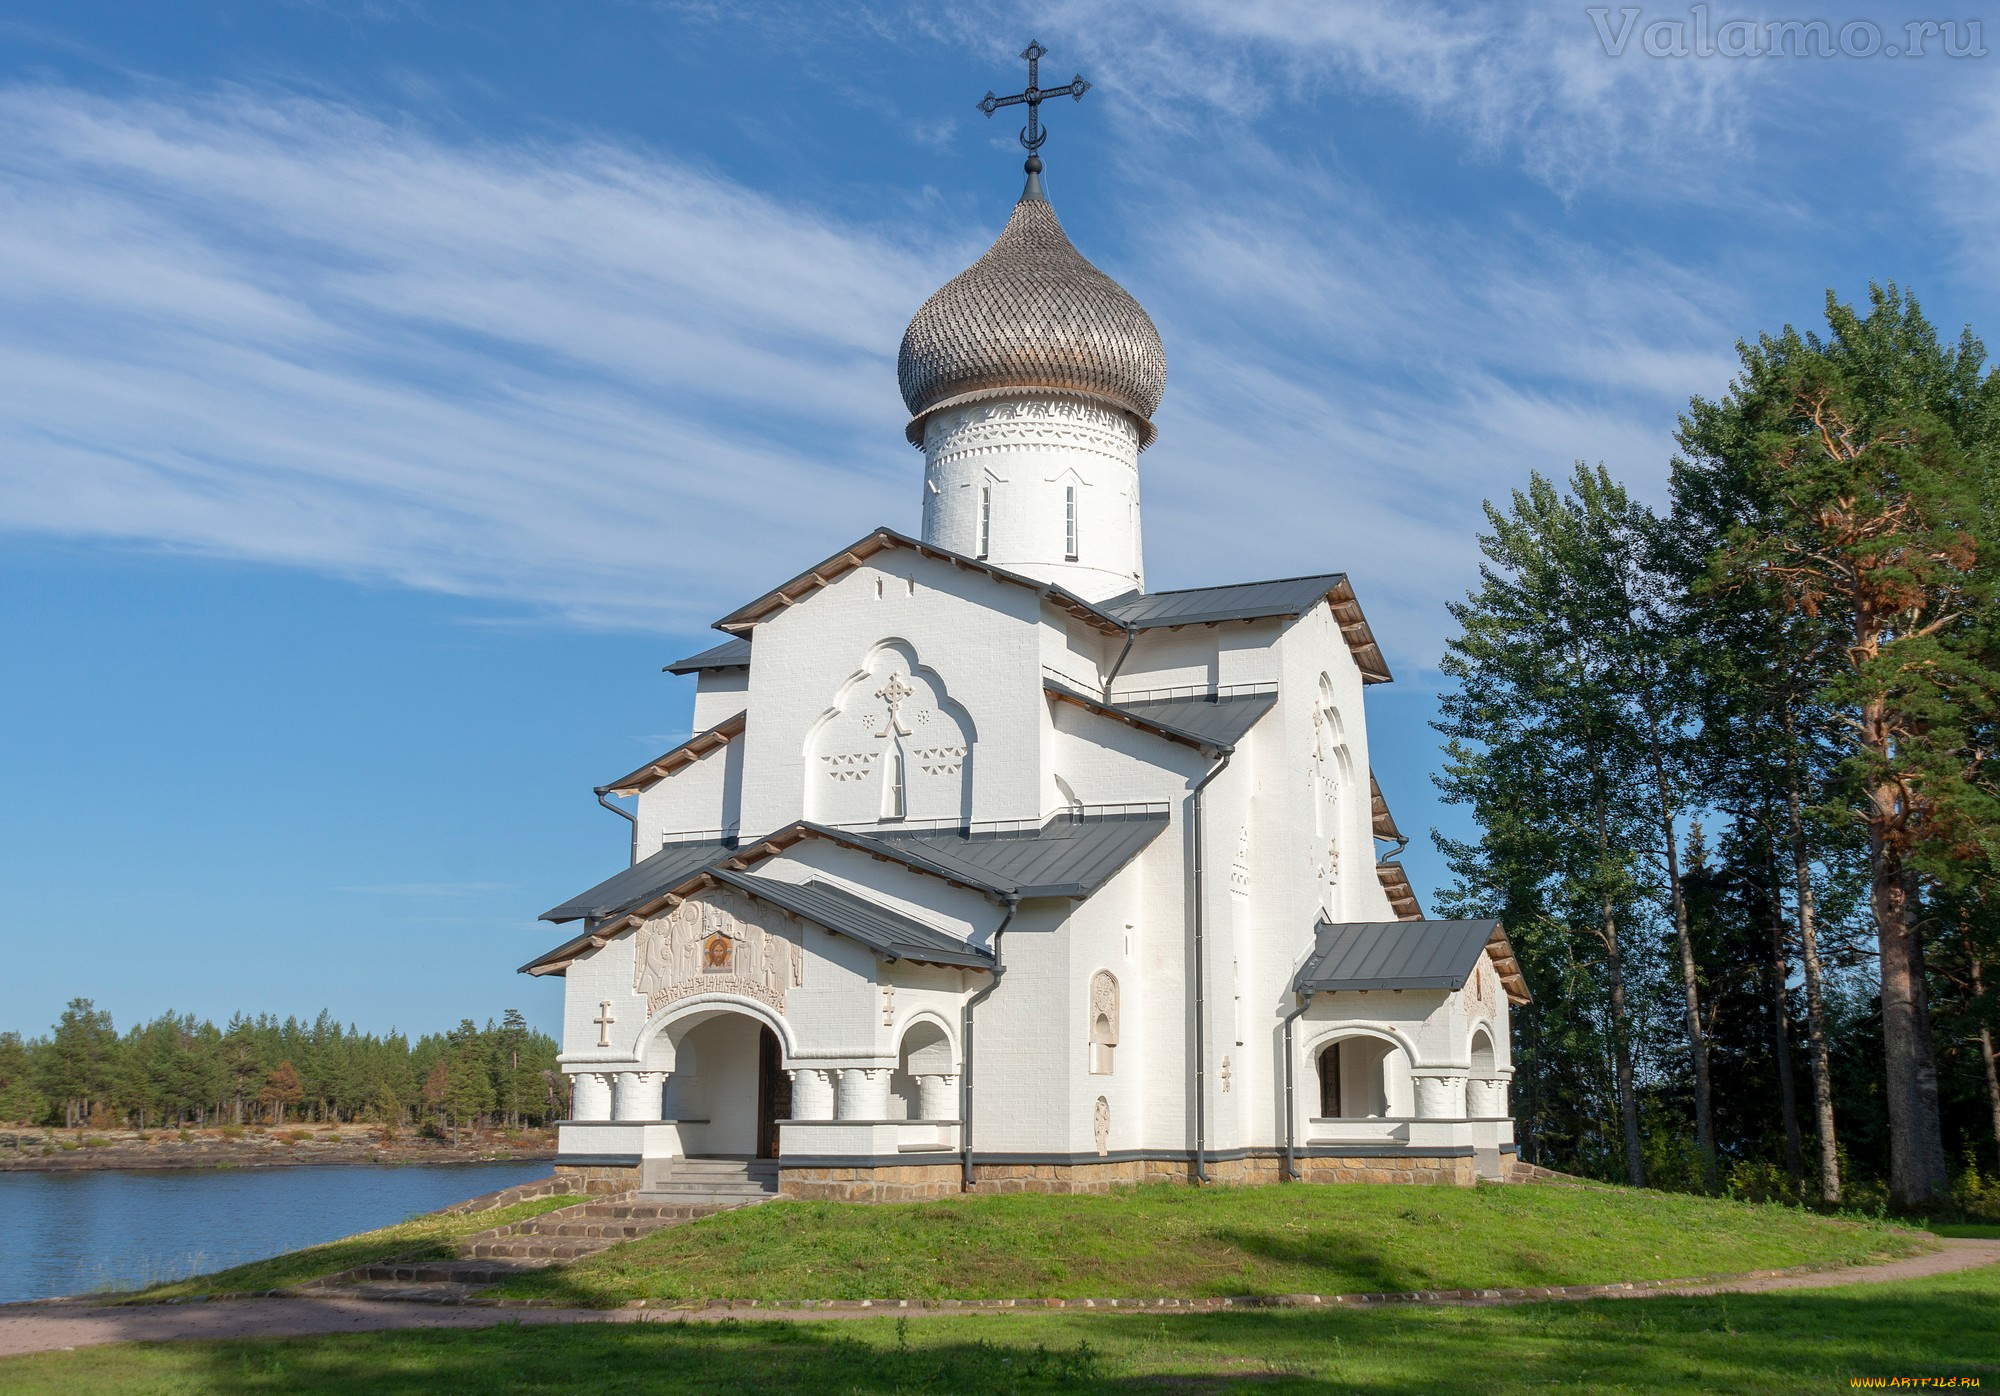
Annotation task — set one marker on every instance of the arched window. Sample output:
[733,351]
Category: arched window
[895,800]
[1103,1022]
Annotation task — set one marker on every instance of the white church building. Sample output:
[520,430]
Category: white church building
[990,869]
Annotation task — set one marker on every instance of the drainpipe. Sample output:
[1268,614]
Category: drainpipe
[624,814]
[1200,996]
[1013,904]
[1291,1111]
[1131,634]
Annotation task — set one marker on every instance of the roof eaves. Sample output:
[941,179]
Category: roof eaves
[686,754]
[1384,822]
[1395,880]
[1354,629]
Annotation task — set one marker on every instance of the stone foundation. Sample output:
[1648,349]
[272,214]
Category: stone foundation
[923,1182]
[594,1179]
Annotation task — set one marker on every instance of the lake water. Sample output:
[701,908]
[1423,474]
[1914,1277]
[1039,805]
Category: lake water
[70,1233]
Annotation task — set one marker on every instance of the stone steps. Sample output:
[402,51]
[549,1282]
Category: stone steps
[710,1182]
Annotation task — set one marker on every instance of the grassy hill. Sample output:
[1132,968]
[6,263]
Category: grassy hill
[1170,1240]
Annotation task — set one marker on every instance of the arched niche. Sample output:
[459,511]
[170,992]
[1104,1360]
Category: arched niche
[894,745]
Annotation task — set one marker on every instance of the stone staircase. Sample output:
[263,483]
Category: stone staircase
[710,1182]
[675,1192]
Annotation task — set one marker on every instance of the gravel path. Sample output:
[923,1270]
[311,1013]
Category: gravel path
[61,1326]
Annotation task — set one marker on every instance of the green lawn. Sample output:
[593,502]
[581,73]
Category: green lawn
[428,1237]
[1173,1240]
[1801,1341]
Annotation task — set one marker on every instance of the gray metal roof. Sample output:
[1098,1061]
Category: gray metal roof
[730,654]
[1394,955]
[1070,856]
[890,934]
[641,882]
[1291,596]
[1220,721]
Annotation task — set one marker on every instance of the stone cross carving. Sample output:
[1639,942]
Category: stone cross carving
[604,1020]
[888,1005]
[893,693]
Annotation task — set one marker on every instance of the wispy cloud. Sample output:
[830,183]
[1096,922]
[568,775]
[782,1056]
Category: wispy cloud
[568,375]
[593,382]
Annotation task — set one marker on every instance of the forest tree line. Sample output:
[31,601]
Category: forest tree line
[1735,766]
[178,1070]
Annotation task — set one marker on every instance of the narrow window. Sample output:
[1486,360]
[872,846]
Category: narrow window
[985,521]
[1069,523]
[894,802]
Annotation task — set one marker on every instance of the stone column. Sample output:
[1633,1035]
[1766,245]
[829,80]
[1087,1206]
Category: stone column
[937,1097]
[812,1094]
[635,1095]
[864,1093]
[590,1095]
[1439,1097]
[1484,1098]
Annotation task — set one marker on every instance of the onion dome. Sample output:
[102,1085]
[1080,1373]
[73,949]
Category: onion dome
[1032,314]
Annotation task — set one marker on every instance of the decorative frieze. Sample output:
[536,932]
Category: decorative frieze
[719,942]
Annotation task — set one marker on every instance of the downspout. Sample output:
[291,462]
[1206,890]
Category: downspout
[624,814]
[1131,634]
[1013,904]
[1200,995]
[1291,1111]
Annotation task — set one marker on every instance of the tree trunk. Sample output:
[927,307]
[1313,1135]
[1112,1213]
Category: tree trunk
[1621,1046]
[1781,1021]
[1704,1112]
[1818,1056]
[1916,1145]
[1986,1053]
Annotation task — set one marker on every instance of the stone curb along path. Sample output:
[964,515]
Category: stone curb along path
[62,1325]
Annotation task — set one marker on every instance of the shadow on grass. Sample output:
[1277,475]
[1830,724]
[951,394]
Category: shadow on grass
[1800,1341]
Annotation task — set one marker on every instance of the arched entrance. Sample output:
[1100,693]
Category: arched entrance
[728,1087]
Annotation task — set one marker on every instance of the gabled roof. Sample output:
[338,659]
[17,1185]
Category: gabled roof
[1134,611]
[744,619]
[1285,598]
[1384,822]
[1204,722]
[889,933]
[644,881]
[1402,897]
[1406,955]
[682,756]
[730,654]
[1070,855]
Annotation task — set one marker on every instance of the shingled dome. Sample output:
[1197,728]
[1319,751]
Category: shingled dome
[1032,313]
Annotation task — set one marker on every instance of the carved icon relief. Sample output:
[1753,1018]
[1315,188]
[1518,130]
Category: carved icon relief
[1100,1122]
[719,942]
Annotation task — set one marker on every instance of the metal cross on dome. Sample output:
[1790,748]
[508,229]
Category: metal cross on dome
[1032,135]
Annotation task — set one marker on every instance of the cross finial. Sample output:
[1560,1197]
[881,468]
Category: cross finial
[1032,135]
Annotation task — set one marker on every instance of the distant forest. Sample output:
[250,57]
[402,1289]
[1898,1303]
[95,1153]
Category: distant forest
[178,1070]
[1736,770]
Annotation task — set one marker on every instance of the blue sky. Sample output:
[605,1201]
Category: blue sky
[388,389]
